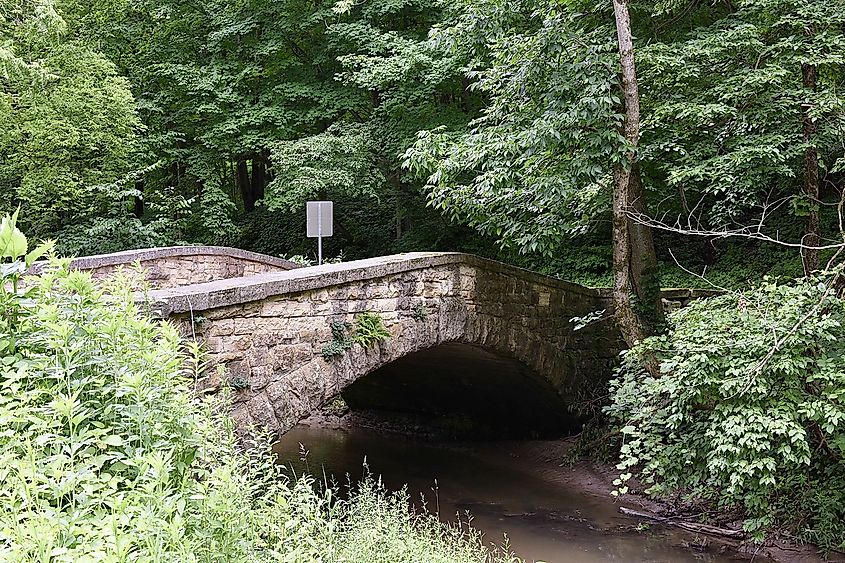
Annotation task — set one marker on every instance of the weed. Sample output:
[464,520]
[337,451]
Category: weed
[341,342]
[419,313]
[239,383]
[369,329]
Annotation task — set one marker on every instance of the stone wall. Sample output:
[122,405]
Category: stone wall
[183,265]
[269,330]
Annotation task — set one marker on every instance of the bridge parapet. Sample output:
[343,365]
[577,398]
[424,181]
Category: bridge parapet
[464,330]
[174,266]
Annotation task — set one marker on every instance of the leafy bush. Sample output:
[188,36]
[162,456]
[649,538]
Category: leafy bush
[106,456]
[101,235]
[748,410]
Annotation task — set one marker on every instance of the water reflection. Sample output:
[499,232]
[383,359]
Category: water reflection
[508,488]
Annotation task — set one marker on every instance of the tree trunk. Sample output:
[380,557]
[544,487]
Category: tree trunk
[636,287]
[244,186]
[138,203]
[812,230]
[466,104]
[259,177]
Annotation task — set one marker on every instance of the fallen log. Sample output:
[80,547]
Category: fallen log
[685,525]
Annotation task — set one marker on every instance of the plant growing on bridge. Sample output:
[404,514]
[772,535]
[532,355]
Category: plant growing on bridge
[341,341]
[420,313]
[369,329]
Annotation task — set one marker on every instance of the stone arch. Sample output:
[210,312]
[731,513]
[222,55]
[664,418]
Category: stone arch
[533,359]
[464,390]
[269,330]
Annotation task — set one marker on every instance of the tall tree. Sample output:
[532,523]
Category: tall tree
[70,123]
[634,258]
[747,114]
[551,148]
[812,234]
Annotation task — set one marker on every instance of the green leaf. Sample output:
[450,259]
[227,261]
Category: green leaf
[112,440]
[39,251]
[12,240]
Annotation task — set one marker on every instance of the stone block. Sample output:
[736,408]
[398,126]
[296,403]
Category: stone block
[237,342]
[222,327]
[261,412]
[241,418]
[245,326]
[238,369]
[260,356]
[214,344]
[261,376]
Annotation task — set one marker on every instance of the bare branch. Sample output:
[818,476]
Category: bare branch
[700,276]
[753,233]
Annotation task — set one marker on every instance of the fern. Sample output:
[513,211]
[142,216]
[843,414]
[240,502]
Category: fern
[369,329]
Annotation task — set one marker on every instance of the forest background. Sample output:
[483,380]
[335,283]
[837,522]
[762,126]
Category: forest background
[486,126]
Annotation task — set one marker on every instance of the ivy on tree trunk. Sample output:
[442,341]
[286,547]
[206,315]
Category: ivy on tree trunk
[636,287]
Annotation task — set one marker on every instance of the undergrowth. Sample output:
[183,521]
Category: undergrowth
[748,410]
[105,455]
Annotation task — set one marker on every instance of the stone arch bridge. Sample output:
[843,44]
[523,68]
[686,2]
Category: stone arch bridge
[468,336]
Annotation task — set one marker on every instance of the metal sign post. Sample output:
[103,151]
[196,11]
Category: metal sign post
[318,223]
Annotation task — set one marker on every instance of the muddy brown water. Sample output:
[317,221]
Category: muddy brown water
[511,489]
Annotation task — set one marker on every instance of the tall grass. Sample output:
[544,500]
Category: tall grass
[105,455]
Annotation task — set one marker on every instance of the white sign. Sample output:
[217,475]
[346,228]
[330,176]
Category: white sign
[318,219]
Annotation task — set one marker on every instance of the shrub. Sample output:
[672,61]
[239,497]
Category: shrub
[748,411]
[106,456]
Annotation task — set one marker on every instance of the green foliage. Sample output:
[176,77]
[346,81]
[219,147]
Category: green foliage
[15,259]
[534,168]
[723,99]
[341,341]
[69,120]
[324,165]
[99,429]
[403,537]
[106,455]
[14,246]
[370,329]
[112,234]
[748,409]
[150,123]
[420,312]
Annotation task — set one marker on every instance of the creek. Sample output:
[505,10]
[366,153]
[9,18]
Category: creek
[517,489]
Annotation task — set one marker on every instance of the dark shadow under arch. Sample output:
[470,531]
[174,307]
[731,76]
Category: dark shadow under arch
[466,389]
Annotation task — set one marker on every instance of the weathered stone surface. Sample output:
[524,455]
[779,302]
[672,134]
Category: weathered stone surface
[270,329]
[266,324]
[175,266]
